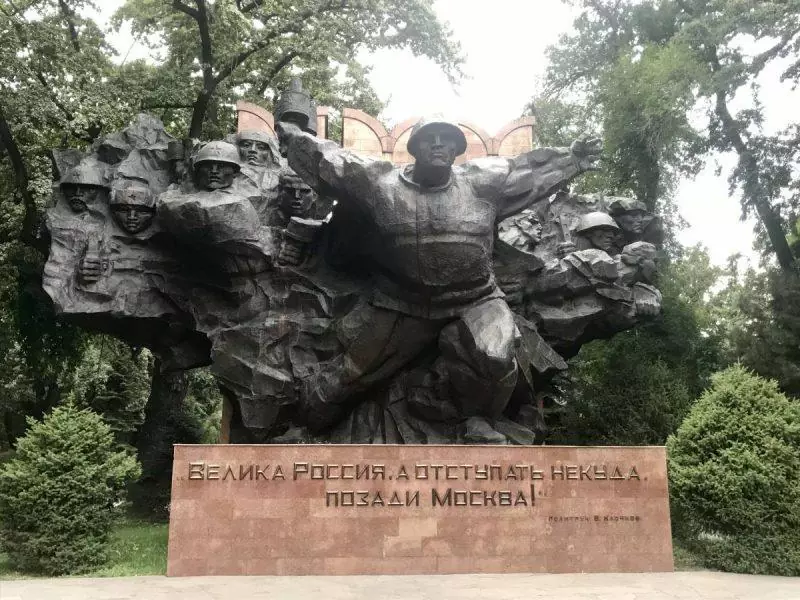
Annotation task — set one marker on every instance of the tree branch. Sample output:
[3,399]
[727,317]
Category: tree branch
[14,6]
[48,90]
[760,60]
[754,192]
[276,68]
[246,8]
[155,105]
[69,15]
[293,27]
[185,8]
[31,218]
[200,106]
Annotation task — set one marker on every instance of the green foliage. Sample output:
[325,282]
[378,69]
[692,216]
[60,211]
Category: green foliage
[650,67]
[636,388]
[183,408]
[57,494]
[135,548]
[113,381]
[59,87]
[203,406]
[645,104]
[734,468]
[211,54]
[762,325]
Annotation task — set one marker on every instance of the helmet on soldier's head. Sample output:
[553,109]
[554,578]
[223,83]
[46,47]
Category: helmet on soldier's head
[133,195]
[594,220]
[622,205]
[254,135]
[218,152]
[88,173]
[432,124]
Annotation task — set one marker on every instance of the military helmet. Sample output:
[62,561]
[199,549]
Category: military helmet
[255,135]
[436,123]
[89,173]
[622,205]
[219,152]
[594,220]
[133,195]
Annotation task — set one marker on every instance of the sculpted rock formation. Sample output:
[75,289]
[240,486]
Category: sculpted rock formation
[344,299]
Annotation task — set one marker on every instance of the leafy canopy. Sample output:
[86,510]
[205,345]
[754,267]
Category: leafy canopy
[210,53]
[650,66]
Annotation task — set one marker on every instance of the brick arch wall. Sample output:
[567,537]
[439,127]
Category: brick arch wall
[251,117]
[364,134]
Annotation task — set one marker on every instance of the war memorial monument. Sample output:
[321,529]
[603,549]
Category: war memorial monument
[384,330]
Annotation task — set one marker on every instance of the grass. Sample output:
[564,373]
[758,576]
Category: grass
[136,548]
[685,559]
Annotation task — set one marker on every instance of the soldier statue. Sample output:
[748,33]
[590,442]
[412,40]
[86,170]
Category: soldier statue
[599,231]
[84,185]
[430,236]
[133,207]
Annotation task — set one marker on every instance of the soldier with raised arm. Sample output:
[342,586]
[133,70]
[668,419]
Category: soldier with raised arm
[430,235]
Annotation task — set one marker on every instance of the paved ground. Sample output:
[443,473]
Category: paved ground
[648,586]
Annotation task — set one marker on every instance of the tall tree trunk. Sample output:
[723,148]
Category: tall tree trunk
[164,425]
[753,190]
[199,113]
[30,221]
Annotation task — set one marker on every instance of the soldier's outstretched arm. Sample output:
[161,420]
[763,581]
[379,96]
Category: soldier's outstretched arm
[328,168]
[541,172]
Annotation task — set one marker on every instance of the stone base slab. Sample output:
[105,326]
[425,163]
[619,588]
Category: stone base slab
[361,509]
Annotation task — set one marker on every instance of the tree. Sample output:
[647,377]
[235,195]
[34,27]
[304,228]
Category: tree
[57,494]
[734,484]
[180,409]
[113,381]
[683,54]
[215,51]
[761,324]
[59,88]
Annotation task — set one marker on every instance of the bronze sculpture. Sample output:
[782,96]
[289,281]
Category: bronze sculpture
[345,299]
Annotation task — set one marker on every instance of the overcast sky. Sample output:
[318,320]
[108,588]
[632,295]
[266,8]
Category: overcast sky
[504,43]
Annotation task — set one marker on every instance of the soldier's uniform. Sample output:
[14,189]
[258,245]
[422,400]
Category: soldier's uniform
[431,254]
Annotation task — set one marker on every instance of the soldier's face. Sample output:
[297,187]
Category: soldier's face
[632,221]
[254,152]
[133,218]
[602,238]
[215,175]
[296,198]
[436,149]
[79,197]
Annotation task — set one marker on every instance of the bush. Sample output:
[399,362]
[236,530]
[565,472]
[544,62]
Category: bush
[734,467]
[57,495]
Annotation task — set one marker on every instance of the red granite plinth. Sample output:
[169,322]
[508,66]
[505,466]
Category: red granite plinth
[350,509]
